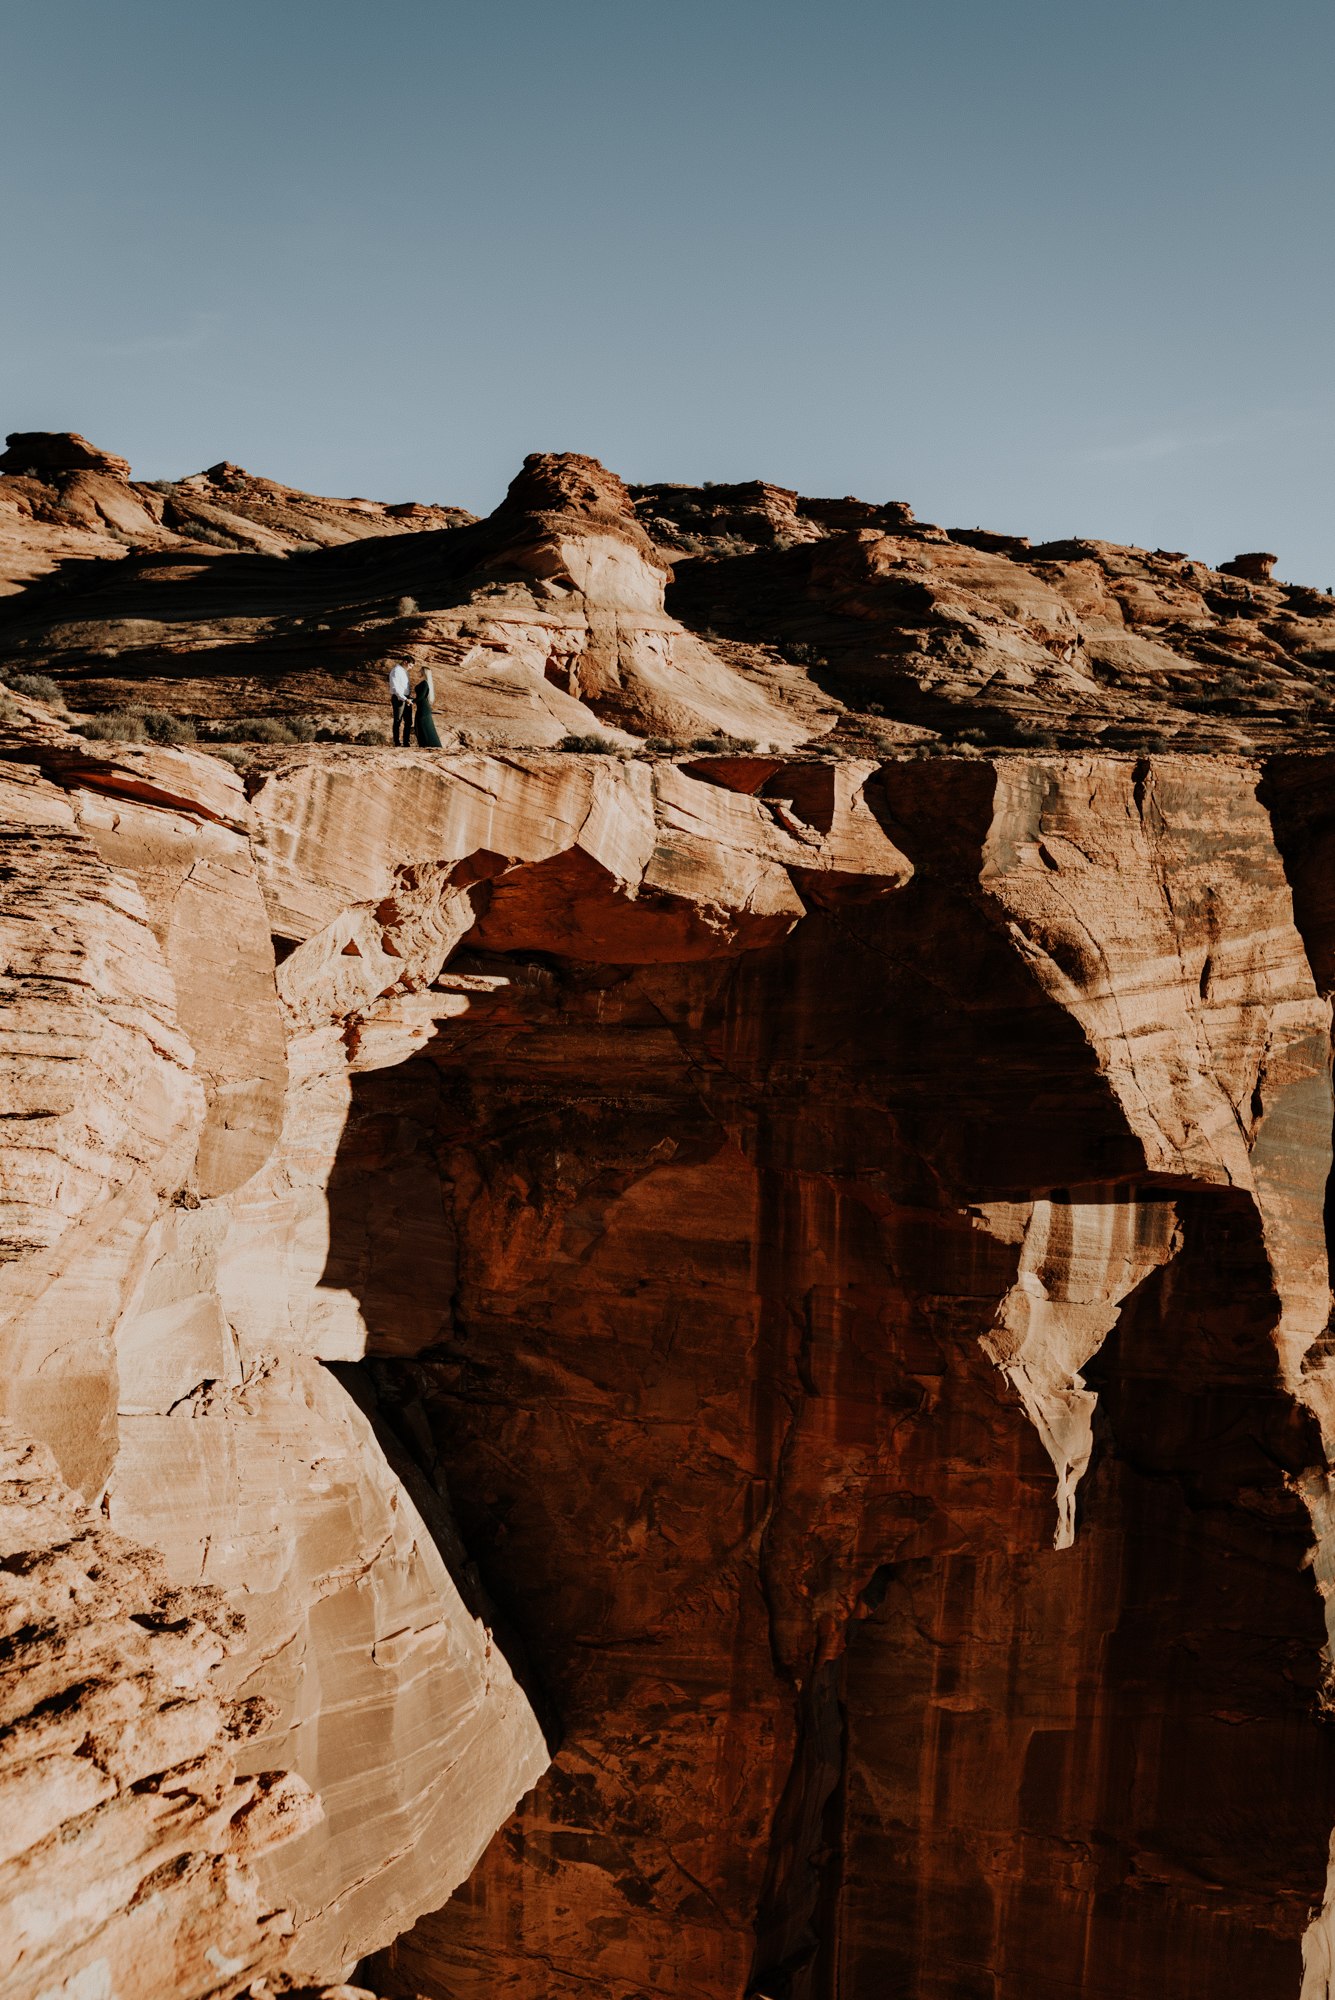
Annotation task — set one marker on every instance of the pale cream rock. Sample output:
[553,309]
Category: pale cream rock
[126,1837]
[203,900]
[1158,914]
[174,1335]
[393,1703]
[1078,1261]
[102,1113]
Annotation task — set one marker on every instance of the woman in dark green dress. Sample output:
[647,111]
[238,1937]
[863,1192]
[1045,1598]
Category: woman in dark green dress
[426,722]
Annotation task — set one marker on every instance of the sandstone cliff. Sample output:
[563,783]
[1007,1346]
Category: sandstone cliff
[760,1296]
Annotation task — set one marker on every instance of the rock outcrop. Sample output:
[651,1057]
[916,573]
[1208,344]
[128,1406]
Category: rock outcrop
[65,502]
[129,1842]
[787,1268]
[701,1367]
[582,606]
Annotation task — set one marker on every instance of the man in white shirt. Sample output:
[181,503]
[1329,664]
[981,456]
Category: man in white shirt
[403,708]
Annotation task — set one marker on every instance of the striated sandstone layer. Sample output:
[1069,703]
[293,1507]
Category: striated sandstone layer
[129,1842]
[149,1346]
[826,1258]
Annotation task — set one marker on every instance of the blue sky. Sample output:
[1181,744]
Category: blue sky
[1053,269]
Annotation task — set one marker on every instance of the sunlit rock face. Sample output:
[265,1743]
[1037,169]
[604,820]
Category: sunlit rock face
[162,1349]
[806,1279]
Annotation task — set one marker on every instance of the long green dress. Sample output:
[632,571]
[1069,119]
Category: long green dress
[425,720]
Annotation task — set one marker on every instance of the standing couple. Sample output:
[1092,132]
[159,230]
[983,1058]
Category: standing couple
[405,702]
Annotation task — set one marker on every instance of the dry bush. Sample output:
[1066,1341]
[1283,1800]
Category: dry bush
[38,687]
[138,725]
[116,725]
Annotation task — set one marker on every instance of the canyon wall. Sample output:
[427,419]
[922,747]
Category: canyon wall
[806,1277]
[851,1276]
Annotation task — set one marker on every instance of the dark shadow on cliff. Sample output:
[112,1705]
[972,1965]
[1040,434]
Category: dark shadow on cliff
[709,1398]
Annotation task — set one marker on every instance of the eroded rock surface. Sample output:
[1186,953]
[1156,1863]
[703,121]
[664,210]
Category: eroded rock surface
[804,1273]
[836,1713]
[129,1843]
[150,1344]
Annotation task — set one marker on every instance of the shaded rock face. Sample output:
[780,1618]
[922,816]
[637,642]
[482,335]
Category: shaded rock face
[822,1265]
[733,1410]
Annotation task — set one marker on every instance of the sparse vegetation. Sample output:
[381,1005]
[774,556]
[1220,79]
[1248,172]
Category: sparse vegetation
[595,745]
[37,687]
[138,725]
[165,728]
[200,531]
[407,607]
[116,726]
[266,729]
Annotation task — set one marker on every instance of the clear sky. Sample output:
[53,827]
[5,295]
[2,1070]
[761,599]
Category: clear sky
[1049,268]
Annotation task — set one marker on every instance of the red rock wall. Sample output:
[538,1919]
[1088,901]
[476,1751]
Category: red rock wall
[727,1444]
[777,1202]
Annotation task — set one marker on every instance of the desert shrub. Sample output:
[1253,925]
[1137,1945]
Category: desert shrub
[257,729]
[8,712]
[116,725]
[138,725]
[376,733]
[407,607]
[38,687]
[721,745]
[230,753]
[597,745]
[661,743]
[200,531]
[799,654]
[303,728]
[165,728]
